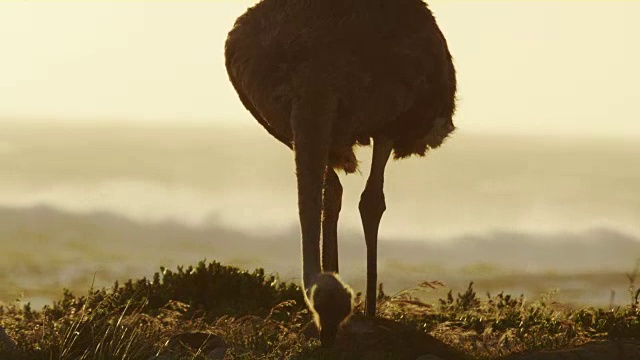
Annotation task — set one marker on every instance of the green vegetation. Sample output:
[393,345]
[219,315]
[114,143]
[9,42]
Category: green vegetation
[194,312]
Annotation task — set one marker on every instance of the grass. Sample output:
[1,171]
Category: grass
[194,312]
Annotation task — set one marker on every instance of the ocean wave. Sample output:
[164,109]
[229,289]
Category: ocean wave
[46,249]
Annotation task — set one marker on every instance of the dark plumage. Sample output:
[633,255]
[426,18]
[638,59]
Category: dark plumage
[324,75]
[386,62]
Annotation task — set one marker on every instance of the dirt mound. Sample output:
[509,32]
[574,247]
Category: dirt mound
[379,338]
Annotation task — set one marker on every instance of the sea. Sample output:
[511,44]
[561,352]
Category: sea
[84,205]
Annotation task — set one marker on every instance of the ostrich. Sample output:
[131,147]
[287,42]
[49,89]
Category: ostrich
[323,76]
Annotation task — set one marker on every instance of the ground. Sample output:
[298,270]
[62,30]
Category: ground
[211,311]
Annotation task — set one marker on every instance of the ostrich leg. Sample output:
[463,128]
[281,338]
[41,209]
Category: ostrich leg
[332,203]
[329,299]
[311,146]
[372,206]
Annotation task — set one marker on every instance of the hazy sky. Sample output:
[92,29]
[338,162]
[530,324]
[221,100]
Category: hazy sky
[524,66]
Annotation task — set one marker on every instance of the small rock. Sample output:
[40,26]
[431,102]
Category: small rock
[428,357]
[217,353]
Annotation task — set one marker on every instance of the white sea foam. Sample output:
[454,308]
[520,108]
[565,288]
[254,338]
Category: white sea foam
[243,179]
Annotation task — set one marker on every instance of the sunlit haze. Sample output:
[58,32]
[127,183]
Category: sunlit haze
[545,67]
[124,147]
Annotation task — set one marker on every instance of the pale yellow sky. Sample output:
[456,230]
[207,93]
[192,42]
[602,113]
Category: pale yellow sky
[524,66]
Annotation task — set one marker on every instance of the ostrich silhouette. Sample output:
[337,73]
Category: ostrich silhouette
[323,76]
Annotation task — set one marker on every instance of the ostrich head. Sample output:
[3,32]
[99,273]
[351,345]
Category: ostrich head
[331,302]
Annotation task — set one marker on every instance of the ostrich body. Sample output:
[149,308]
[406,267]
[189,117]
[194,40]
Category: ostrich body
[322,76]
